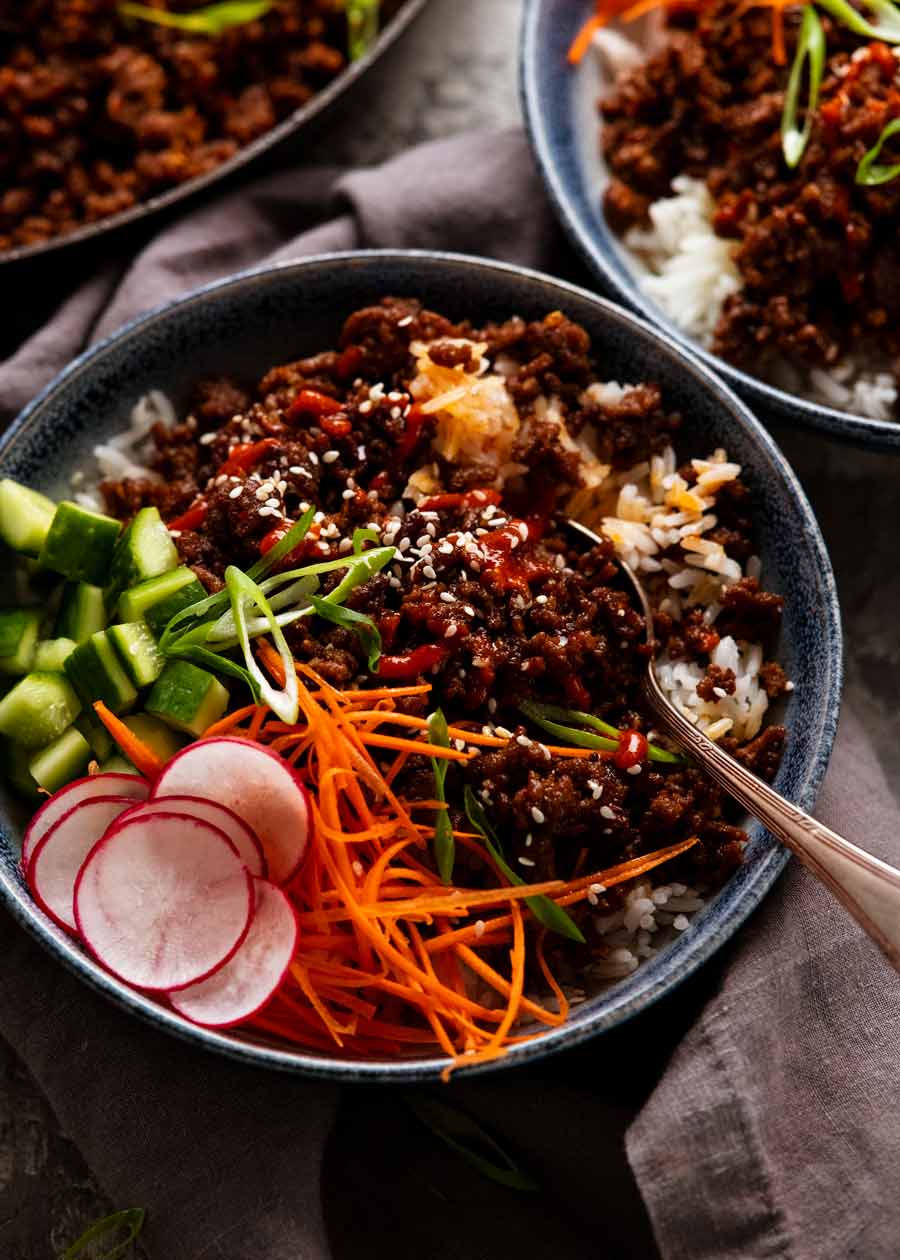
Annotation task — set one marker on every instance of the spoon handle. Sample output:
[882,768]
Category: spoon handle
[866,886]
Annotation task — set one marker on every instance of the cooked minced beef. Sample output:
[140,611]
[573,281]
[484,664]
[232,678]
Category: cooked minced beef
[818,254]
[489,600]
[99,112]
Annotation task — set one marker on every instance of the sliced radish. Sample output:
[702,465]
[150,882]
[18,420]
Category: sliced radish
[241,835]
[72,794]
[256,784]
[57,857]
[250,977]
[163,901]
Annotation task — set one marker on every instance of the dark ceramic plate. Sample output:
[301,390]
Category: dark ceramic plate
[560,106]
[287,130]
[242,326]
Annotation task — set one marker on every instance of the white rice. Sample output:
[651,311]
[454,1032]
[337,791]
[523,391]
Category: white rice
[125,454]
[689,272]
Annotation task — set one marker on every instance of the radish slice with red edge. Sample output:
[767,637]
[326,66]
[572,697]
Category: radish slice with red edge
[241,835]
[257,784]
[252,975]
[71,795]
[163,901]
[58,856]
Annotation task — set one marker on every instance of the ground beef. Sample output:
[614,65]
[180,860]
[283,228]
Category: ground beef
[99,112]
[817,252]
[716,678]
[488,599]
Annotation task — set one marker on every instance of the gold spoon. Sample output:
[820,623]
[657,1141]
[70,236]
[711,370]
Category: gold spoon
[866,886]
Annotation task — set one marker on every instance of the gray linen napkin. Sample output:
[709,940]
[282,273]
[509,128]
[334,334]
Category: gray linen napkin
[757,1105]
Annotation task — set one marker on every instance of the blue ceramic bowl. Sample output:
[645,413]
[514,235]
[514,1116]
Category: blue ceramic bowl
[287,131]
[560,107]
[244,325]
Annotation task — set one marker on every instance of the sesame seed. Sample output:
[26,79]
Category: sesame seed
[523,531]
[348,494]
[360,452]
[395,583]
[404,323]
[789,686]
[598,889]
[295,469]
[376,393]
[396,413]
[563,640]
[459,745]
[546,752]
[358,869]
[559,562]
[537,815]
[446,549]
[235,493]
[207,439]
[492,705]
[430,529]
[429,572]
[523,740]
[346,545]
[448,598]
[365,407]
[268,511]
[592,897]
[403,544]
[635,769]
[273,502]
[451,630]
[330,456]
[479,927]
[541,599]
[529,839]
[606,812]
[503,732]
[313,457]
[468,610]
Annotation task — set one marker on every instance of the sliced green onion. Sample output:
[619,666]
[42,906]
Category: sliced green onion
[360,623]
[212,20]
[551,717]
[871,173]
[469,1141]
[811,45]
[361,536]
[362,26]
[243,591]
[887,27]
[547,912]
[362,567]
[295,535]
[131,1219]
[444,841]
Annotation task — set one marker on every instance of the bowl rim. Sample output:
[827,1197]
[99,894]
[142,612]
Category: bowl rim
[290,126]
[567,198]
[669,972]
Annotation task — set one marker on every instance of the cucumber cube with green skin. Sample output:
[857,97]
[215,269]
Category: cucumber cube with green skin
[117,765]
[62,761]
[82,612]
[51,654]
[158,599]
[155,734]
[97,673]
[138,652]
[145,550]
[95,733]
[80,544]
[25,517]
[187,698]
[14,761]
[19,631]
[38,709]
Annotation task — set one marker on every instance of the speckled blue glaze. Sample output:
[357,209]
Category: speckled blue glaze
[560,107]
[244,325]
[287,130]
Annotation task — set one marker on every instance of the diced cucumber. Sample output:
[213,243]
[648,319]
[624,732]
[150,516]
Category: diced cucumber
[51,654]
[25,517]
[83,612]
[144,551]
[19,631]
[97,674]
[117,765]
[62,761]
[138,652]
[95,733]
[158,599]
[38,708]
[14,761]
[80,544]
[155,734]
[187,698]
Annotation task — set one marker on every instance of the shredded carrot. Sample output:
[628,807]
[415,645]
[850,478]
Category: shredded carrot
[143,758]
[231,720]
